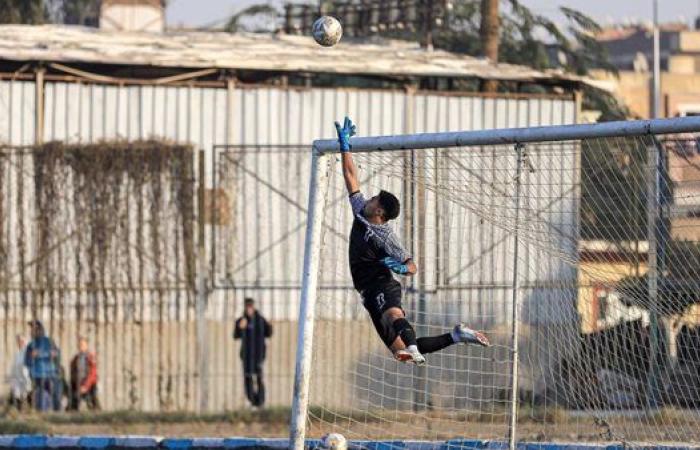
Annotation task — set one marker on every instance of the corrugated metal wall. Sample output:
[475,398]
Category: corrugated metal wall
[259,252]
[246,116]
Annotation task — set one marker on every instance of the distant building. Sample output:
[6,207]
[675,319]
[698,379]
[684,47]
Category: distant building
[133,15]
[631,52]
[631,48]
[683,163]
[602,265]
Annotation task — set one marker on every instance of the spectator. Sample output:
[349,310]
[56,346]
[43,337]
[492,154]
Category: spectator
[83,377]
[18,378]
[41,358]
[252,329]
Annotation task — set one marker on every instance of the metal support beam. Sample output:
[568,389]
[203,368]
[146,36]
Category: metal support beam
[656,107]
[39,105]
[654,225]
[202,294]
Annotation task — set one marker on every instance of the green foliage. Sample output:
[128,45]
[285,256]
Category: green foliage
[29,12]
[609,107]
[255,18]
[78,12]
[613,190]
[37,12]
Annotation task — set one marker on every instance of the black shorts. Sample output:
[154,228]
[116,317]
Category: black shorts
[376,300]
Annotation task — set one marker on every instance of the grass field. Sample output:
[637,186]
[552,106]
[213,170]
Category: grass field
[556,425]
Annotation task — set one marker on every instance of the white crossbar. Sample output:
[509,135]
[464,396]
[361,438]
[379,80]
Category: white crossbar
[515,135]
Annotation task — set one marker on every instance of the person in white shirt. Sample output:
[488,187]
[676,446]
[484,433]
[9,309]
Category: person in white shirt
[18,376]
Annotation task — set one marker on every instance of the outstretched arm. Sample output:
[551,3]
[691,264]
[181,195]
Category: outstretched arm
[350,173]
[349,169]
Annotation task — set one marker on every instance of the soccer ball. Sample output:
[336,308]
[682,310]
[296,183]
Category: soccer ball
[327,31]
[334,441]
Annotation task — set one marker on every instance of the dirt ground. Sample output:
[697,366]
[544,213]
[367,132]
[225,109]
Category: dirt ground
[274,423]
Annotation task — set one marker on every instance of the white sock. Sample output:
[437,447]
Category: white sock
[412,348]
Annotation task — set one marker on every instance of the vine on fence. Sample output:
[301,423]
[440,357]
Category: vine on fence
[113,226]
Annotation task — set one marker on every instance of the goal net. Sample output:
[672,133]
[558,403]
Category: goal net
[588,245]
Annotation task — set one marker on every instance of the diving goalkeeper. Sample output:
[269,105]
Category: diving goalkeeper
[375,252]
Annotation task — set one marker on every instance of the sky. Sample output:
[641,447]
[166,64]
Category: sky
[206,12]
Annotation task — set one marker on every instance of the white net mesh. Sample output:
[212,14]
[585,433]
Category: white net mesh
[591,367]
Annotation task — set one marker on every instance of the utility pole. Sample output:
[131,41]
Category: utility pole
[655,252]
[656,110]
[490,37]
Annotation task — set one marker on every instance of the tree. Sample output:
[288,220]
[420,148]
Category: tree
[37,12]
[79,12]
[255,18]
[30,12]
[613,191]
[512,33]
[489,30]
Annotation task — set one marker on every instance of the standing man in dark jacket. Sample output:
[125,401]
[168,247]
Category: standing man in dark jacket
[252,329]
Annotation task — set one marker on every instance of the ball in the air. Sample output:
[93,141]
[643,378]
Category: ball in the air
[327,31]
[334,441]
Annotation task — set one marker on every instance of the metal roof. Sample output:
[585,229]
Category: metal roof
[220,50]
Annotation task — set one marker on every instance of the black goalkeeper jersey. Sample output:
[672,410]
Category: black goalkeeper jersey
[369,244]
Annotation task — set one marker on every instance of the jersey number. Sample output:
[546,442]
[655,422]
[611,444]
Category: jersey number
[380,300]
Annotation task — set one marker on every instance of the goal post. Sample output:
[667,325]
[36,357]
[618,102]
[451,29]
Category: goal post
[543,234]
[318,189]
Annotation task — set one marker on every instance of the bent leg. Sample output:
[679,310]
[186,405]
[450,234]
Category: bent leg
[399,328]
[433,344]
[405,334]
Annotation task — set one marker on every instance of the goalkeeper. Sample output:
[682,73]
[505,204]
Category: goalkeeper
[375,252]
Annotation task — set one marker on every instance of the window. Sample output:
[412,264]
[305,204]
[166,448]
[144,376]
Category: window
[602,297]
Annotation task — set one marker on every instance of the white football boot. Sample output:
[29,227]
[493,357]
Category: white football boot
[410,354]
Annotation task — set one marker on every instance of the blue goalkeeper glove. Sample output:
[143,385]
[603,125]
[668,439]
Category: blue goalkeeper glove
[395,265]
[345,133]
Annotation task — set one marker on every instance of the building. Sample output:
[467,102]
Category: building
[254,102]
[631,52]
[132,15]
[602,265]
